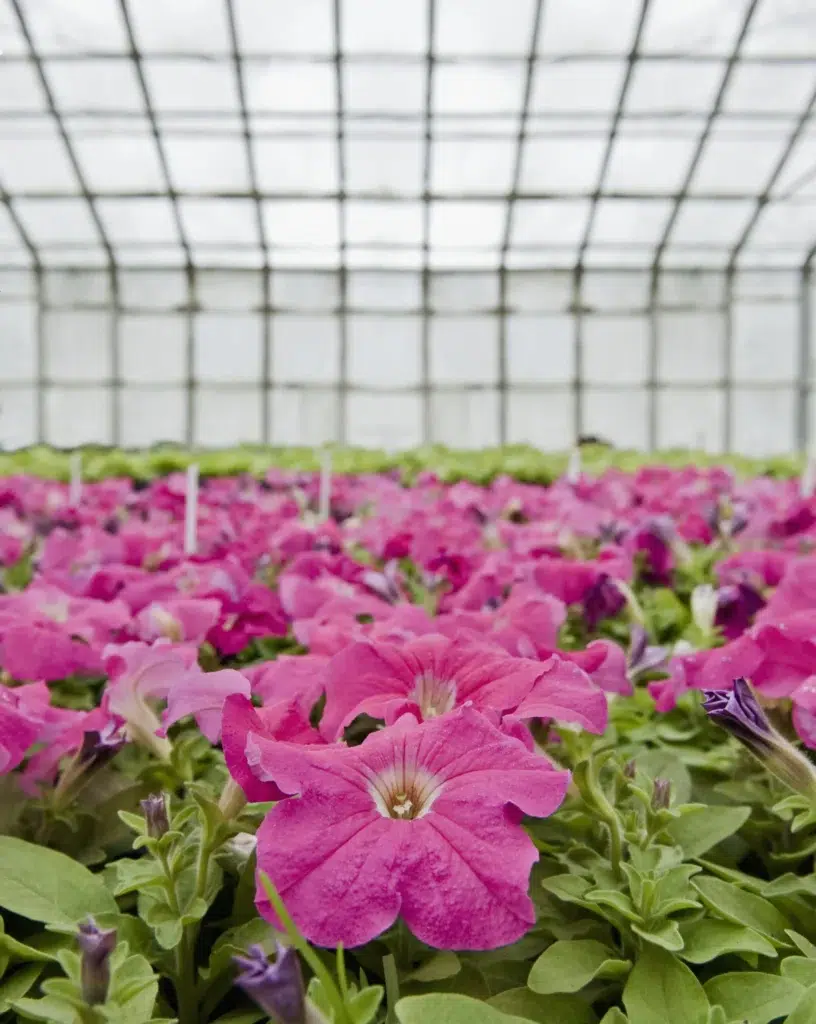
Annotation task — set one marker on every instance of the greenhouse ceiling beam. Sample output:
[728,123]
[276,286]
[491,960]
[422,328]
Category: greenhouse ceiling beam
[342,232]
[425,269]
[252,172]
[53,110]
[512,196]
[169,193]
[734,58]
[766,196]
[8,201]
[631,61]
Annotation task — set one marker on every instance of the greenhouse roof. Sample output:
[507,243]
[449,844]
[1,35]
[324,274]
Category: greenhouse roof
[416,134]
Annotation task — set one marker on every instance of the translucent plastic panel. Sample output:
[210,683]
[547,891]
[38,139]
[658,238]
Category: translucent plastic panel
[690,347]
[303,417]
[222,417]
[227,347]
[18,422]
[151,415]
[540,292]
[93,25]
[201,165]
[540,349]
[797,177]
[369,26]
[50,222]
[152,289]
[78,345]
[369,223]
[98,85]
[12,40]
[563,163]
[735,165]
[541,418]
[138,220]
[305,349]
[614,349]
[279,26]
[75,416]
[384,351]
[20,87]
[308,292]
[711,222]
[789,225]
[618,291]
[193,26]
[302,165]
[765,342]
[465,419]
[774,88]
[383,88]
[782,28]
[594,26]
[389,258]
[690,419]
[293,86]
[116,162]
[455,225]
[709,26]
[77,288]
[390,421]
[669,86]
[378,290]
[478,88]
[576,87]
[225,290]
[483,27]
[36,162]
[301,223]
[384,166]
[646,160]
[549,222]
[463,293]
[190,85]
[464,350]
[629,222]
[153,349]
[18,344]
[763,421]
[617,416]
[219,220]
[467,166]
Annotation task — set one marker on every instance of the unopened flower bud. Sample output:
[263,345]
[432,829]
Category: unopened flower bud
[740,713]
[629,770]
[154,809]
[276,987]
[661,794]
[95,973]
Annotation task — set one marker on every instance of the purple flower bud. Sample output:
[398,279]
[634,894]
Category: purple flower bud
[276,987]
[99,747]
[642,656]
[630,770]
[603,600]
[154,809]
[661,794]
[737,604]
[740,713]
[96,946]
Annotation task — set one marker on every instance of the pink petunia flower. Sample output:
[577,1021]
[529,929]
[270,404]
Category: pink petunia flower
[420,821]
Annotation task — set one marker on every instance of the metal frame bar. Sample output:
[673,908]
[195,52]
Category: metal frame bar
[252,172]
[515,183]
[807,363]
[427,199]
[342,273]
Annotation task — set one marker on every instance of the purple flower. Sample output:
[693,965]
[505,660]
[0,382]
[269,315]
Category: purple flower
[603,600]
[737,604]
[740,713]
[99,747]
[276,987]
[642,657]
[96,946]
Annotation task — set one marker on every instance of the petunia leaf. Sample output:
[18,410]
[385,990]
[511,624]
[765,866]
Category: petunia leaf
[661,989]
[451,1009]
[568,966]
[709,938]
[753,996]
[697,831]
[734,904]
[566,1009]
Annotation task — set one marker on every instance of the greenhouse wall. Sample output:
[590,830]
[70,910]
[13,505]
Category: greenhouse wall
[721,361]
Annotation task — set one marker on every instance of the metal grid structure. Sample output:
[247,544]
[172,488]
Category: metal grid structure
[472,221]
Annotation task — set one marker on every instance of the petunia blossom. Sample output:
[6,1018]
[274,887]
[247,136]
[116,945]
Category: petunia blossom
[421,821]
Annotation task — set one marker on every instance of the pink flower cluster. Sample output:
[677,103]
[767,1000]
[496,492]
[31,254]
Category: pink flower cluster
[431,614]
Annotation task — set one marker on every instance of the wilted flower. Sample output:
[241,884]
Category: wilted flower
[96,946]
[154,809]
[276,987]
[661,794]
[740,713]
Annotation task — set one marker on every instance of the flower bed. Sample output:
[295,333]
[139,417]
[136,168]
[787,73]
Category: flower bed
[449,753]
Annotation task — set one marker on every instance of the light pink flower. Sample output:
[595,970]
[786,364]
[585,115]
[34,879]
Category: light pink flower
[420,821]
[182,620]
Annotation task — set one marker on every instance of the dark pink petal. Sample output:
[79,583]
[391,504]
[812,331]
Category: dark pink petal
[566,693]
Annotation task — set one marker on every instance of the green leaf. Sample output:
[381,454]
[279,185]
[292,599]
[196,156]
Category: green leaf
[662,989]
[450,1009]
[20,951]
[699,830]
[364,1005]
[569,888]
[134,990]
[544,1009]
[615,900]
[753,996]
[800,969]
[44,885]
[17,984]
[444,964]
[664,934]
[805,1010]
[665,765]
[709,938]
[615,1016]
[569,966]
[805,946]
[741,907]
[48,1009]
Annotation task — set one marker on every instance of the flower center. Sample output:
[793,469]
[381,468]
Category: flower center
[404,791]
[434,696]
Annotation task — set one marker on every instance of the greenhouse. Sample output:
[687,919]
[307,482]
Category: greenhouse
[407,511]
